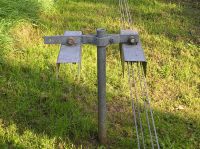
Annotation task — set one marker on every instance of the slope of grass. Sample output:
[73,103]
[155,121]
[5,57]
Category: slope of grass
[39,111]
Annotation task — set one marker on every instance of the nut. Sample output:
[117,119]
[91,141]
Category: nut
[111,40]
[71,41]
[132,40]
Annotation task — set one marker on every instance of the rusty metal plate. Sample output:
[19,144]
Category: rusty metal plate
[70,54]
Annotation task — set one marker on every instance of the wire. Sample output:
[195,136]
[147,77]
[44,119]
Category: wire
[138,106]
[145,106]
[133,108]
[135,81]
[149,104]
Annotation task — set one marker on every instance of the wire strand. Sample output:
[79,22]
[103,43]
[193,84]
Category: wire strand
[126,22]
[133,107]
[137,105]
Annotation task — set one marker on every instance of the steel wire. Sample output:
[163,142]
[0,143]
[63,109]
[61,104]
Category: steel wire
[126,22]
[133,107]
[138,106]
[145,106]
[149,104]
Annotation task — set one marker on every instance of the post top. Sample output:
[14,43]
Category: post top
[101,32]
[101,29]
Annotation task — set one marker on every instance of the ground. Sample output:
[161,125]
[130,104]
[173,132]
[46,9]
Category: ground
[39,111]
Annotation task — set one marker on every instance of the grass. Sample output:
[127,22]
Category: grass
[39,111]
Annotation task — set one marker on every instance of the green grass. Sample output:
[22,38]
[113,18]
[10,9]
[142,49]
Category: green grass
[39,111]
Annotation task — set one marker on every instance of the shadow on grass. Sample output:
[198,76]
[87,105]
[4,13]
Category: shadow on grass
[35,100]
[19,9]
[176,20]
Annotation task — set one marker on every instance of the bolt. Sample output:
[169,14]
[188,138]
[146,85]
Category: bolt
[111,40]
[132,40]
[71,41]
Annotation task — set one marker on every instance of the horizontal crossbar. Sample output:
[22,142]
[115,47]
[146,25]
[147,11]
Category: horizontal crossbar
[93,39]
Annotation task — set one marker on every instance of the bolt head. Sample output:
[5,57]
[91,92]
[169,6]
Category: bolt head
[111,40]
[71,41]
[132,40]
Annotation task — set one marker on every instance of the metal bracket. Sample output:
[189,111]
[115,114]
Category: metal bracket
[92,39]
[70,53]
[132,53]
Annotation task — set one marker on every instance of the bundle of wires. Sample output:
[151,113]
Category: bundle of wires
[143,118]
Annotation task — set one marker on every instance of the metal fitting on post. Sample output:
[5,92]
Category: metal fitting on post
[71,41]
[132,40]
[101,32]
[111,41]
